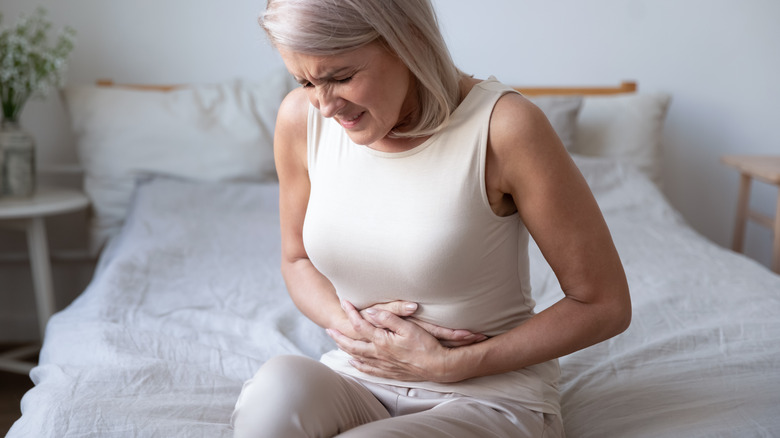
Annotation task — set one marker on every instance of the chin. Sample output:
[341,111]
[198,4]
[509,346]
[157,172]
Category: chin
[361,139]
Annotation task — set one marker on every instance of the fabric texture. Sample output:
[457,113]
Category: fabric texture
[297,397]
[213,132]
[419,227]
[627,128]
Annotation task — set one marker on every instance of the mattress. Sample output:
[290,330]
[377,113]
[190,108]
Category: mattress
[188,302]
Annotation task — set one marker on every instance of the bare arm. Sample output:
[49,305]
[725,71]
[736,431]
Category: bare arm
[311,292]
[528,170]
[561,214]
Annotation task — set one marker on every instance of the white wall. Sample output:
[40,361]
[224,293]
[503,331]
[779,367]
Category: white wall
[719,59]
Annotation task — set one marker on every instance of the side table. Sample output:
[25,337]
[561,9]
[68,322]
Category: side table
[28,214]
[762,168]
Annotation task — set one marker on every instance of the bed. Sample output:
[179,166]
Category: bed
[187,301]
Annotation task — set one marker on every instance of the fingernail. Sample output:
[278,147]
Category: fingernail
[371,311]
[410,306]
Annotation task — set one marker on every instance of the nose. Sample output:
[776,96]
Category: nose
[328,102]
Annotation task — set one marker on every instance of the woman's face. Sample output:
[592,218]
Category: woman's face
[369,91]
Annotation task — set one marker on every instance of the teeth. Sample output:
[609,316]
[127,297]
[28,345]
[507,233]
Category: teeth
[353,118]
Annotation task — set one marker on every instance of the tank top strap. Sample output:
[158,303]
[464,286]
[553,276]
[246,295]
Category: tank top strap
[493,84]
[476,108]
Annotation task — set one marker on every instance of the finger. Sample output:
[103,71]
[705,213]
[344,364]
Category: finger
[363,327]
[452,337]
[400,308]
[353,347]
[370,315]
[379,369]
[454,344]
[388,321]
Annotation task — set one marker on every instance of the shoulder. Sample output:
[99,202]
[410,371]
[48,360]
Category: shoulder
[291,123]
[515,119]
[521,142]
[293,112]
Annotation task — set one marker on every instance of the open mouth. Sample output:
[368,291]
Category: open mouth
[351,122]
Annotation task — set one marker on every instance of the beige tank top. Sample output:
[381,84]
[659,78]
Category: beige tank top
[417,226]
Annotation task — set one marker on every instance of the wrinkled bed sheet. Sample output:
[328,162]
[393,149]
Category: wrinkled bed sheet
[188,302]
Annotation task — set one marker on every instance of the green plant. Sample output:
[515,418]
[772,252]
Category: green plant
[29,65]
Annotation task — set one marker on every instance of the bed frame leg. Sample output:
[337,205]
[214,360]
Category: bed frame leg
[776,231]
[742,212]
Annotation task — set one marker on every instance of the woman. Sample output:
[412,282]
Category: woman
[408,190]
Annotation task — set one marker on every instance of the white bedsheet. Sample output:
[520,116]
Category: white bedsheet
[189,302]
[702,355]
[188,306]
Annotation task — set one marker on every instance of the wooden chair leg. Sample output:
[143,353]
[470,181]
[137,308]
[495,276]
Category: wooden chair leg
[41,271]
[743,203]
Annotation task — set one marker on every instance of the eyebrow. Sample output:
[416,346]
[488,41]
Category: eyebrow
[326,77]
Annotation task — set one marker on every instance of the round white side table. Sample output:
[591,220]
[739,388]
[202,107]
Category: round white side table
[28,214]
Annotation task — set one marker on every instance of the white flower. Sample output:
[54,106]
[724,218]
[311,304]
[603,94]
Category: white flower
[28,65]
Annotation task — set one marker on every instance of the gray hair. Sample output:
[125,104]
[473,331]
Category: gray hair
[409,28]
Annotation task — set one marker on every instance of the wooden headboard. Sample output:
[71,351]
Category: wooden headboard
[110,83]
[624,87]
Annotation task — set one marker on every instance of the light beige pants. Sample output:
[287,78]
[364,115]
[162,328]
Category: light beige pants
[294,396]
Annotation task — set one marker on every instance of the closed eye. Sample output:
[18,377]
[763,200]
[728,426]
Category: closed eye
[307,84]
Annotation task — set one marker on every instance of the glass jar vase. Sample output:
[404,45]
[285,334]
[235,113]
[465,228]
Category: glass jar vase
[17,148]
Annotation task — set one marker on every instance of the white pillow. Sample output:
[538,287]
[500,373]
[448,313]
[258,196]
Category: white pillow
[628,128]
[215,132]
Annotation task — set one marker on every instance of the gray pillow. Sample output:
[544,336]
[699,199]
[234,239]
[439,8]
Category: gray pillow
[562,112]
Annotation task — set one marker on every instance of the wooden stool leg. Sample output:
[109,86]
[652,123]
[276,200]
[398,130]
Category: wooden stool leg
[776,246]
[742,213]
[41,271]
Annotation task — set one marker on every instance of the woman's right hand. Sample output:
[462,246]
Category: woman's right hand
[446,336]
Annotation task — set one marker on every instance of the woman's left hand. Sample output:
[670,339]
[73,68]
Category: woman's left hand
[392,347]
